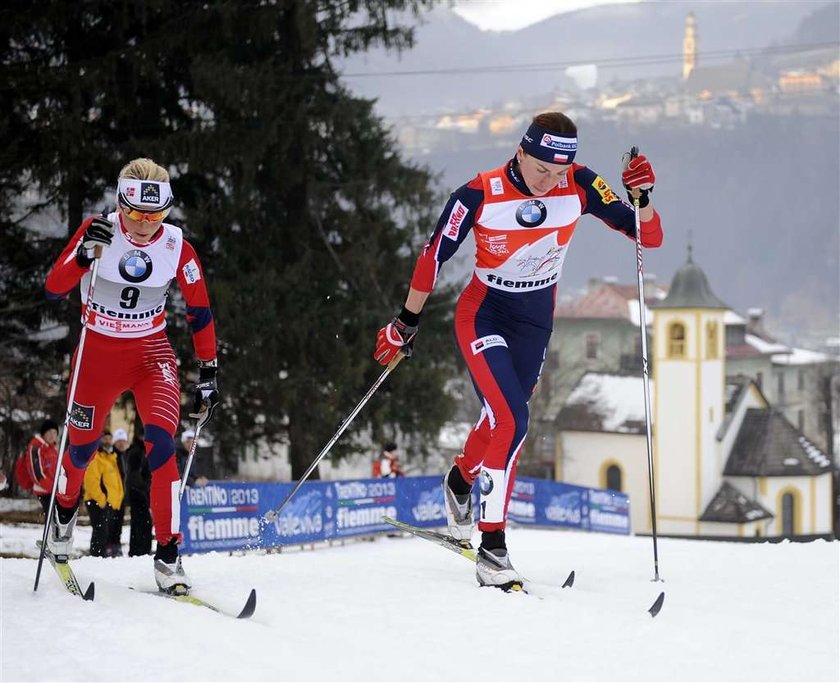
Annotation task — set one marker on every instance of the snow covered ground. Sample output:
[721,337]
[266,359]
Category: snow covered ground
[403,609]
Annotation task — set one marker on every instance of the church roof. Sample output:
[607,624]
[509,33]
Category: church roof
[736,76]
[612,301]
[768,445]
[732,506]
[690,289]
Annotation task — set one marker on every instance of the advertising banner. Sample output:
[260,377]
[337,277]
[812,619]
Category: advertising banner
[226,515]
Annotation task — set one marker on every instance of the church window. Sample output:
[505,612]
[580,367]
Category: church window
[711,340]
[788,515]
[614,478]
[592,342]
[676,340]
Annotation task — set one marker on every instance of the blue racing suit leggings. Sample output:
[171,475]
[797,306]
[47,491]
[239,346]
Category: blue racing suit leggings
[503,337]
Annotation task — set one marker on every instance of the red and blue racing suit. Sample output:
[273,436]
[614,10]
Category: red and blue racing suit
[503,319]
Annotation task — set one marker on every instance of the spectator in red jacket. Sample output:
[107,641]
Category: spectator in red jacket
[39,461]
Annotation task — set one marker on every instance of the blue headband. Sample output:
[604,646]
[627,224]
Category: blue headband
[547,146]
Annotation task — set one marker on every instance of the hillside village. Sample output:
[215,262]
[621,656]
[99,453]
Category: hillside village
[782,82]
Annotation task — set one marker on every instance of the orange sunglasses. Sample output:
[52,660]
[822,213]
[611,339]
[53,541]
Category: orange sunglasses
[145,217]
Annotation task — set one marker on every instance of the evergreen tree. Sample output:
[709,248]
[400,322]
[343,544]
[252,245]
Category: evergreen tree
[306,218]
[310,223]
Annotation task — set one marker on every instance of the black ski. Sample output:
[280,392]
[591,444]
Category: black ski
[245,613]
[464,549]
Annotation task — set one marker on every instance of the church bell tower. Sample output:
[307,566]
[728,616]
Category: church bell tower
[689,46]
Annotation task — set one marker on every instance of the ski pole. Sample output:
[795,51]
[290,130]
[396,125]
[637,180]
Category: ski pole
[198,426]
[271,515]
[629,156]
[59,470]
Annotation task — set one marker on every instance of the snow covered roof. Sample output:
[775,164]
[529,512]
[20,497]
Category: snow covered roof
[730,317]
[765,346]
[732,506]
[796,356]
[768,445]
[603,402]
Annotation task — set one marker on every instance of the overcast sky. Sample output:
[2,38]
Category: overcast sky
[500,15]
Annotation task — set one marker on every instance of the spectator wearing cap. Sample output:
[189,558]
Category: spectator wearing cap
[35,468]
[182,455]
[104,495]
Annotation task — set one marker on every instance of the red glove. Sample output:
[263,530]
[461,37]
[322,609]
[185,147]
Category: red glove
[637,173]
[396,337]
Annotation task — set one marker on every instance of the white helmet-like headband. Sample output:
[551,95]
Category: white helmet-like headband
[144,195]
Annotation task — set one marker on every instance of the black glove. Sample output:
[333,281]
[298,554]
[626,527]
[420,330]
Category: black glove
[206,393]
[99,233]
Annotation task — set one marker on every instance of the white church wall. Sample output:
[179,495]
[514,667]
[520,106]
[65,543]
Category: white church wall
[748,530]
[676,440]
[585,456]
[712,392]
[812,496]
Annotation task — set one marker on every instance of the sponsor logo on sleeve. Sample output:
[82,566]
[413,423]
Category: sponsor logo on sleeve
[456,218]
[192,274]
[483,343]
[81,417]
[601,187]
[496,186]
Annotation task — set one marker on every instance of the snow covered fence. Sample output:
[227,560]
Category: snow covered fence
[226,515]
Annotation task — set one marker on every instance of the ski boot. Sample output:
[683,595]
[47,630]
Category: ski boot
[493,567]
[459,509]
[169,574]
[60,535]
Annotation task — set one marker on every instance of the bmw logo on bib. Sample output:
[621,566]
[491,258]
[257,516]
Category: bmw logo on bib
[532,213]
[135,266]
[485,483]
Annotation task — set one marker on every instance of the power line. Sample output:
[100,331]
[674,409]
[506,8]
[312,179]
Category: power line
[617,62]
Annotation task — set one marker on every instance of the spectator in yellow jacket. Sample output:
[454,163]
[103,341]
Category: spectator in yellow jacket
[104,494]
